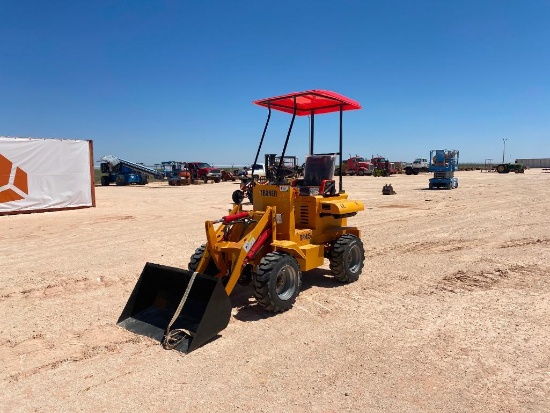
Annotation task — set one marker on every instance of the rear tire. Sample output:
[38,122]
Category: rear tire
[216,180]
[501,169]
[120,180]
[277,282]
[347,258]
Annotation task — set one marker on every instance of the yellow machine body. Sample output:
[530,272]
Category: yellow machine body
[301,225]
[290,229]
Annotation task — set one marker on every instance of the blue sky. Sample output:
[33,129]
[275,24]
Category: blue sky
[152,81]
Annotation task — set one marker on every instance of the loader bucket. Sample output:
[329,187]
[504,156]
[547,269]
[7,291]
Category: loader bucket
[156,298]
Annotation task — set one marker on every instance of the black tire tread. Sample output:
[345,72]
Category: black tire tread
[336,259]
[211,269]
[237,196]
[261,283]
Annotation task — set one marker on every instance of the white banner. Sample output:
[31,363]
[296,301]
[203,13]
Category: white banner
[43,174]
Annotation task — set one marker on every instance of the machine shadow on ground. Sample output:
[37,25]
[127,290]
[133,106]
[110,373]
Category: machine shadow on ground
[247,308]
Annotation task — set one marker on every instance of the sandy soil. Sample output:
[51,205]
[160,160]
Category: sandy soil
[451,314]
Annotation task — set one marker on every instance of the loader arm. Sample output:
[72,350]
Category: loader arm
[213,236]
[245,245]
[234,255]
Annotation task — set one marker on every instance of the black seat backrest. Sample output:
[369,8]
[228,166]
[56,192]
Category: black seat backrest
[318,168]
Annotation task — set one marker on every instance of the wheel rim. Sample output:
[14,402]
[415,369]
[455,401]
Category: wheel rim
[354,259]
[286,282]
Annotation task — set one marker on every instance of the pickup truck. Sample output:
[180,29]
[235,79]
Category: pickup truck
[419,165]
[259,172]
[191,171]
[205,171]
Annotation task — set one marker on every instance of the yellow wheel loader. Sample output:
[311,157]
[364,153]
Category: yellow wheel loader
[292,228]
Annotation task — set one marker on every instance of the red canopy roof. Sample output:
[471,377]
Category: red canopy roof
[318,101]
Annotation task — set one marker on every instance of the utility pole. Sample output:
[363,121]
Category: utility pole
[504,149]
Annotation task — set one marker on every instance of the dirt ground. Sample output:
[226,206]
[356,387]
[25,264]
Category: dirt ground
[451,313]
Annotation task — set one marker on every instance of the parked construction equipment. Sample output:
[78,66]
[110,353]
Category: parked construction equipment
[178,173]
[382,166]
[124,172]
[443,163]
[289,167]
[290,229]
[505,168]
[244,191]
[185,173]
[289,170]
[228,176]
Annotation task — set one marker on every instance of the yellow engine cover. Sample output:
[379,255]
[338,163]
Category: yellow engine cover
[341,206]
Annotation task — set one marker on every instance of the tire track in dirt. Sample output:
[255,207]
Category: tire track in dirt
[438,247]
[522,242]
[467,281]
[516,276]
[63,287]
[25,358]
[451,245]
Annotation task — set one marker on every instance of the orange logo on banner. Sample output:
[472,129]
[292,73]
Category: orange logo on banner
[19,181]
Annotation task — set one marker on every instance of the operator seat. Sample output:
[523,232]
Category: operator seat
[318,174]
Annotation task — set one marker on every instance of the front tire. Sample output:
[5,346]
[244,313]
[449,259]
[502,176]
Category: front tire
[347,258]
[277,282]
[120,180]
[211,268]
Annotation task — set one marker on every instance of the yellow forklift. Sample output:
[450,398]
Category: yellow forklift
[292,228]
